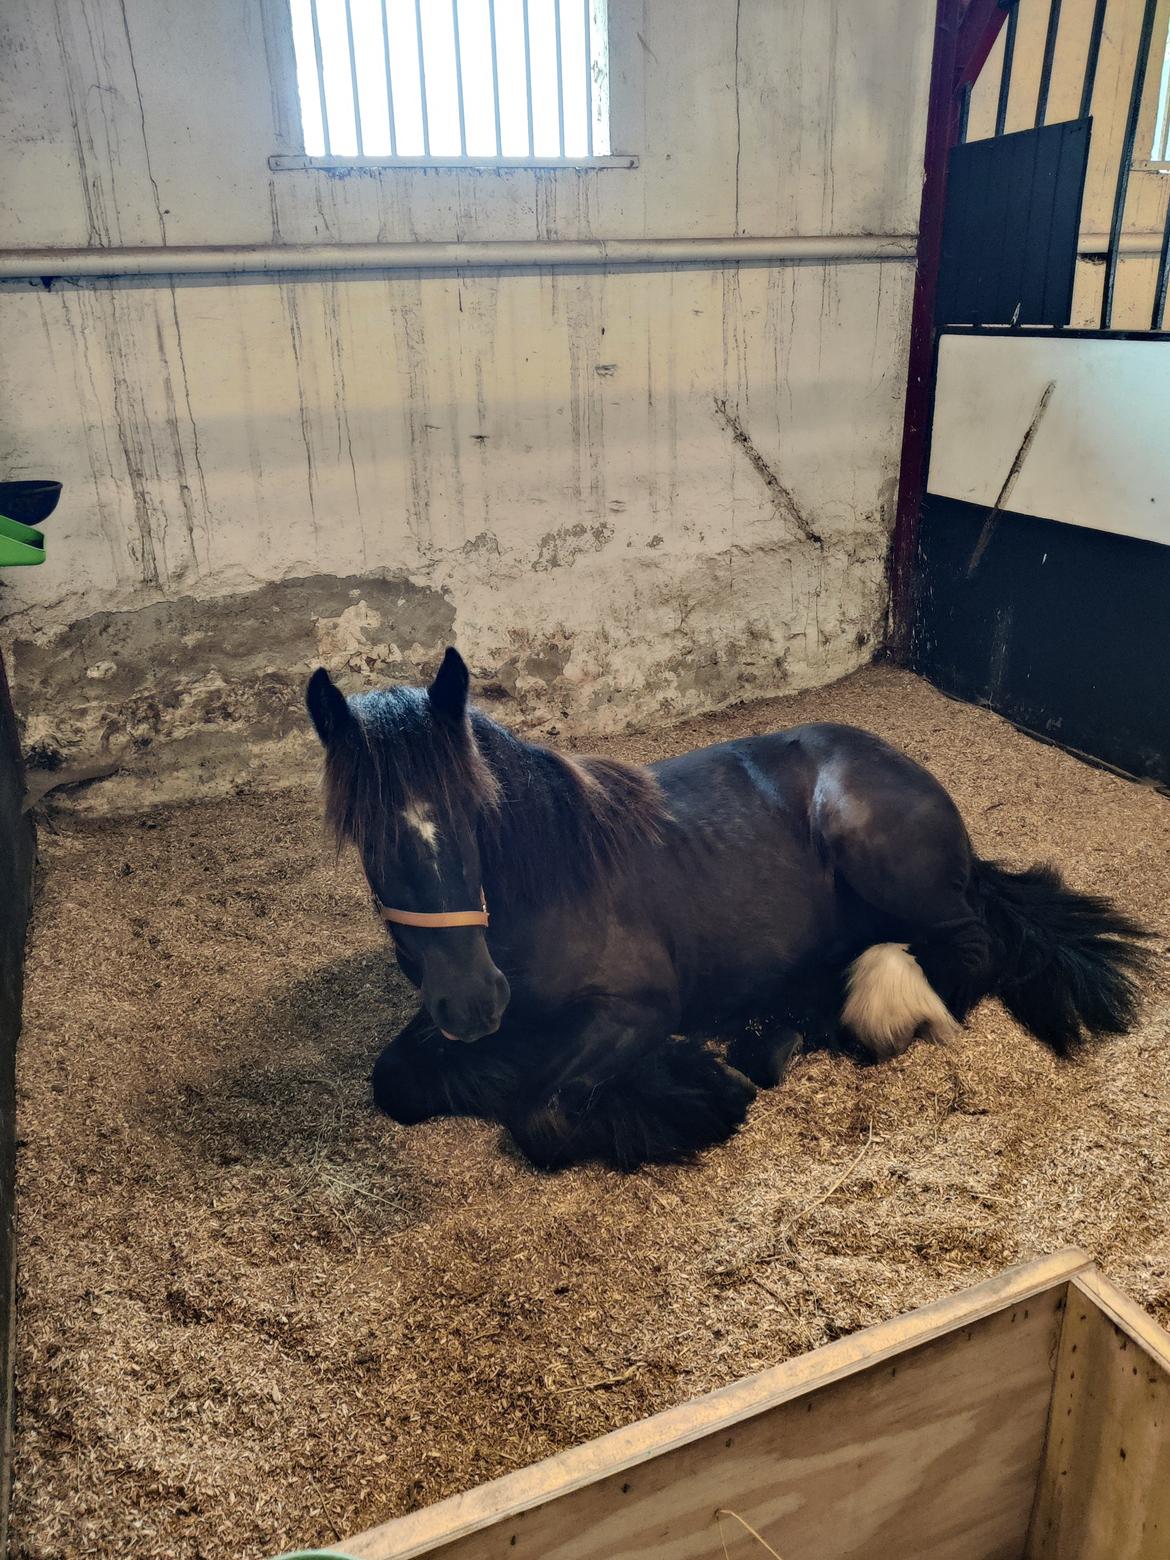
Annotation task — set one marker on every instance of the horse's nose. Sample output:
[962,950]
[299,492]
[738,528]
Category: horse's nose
[502,995]
[475,1019]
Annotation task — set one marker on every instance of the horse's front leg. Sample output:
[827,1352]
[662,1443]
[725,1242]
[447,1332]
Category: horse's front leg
[419,1074]
[764,1051]
[619,1089]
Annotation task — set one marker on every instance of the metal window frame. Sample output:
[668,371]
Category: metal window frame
[596,33]
[1154,121]
[295,162]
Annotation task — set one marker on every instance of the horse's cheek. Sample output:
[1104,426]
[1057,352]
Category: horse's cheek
[409,968]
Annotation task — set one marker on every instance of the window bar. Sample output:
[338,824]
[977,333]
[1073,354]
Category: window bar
[459,79]
[560,76]
[1131,128]
[422,79]
[495,77]
[588,79]
[528,80]
[357,106]
[1160,286]
[1005,75]
[389,82]
[320,74]
[1092,58]
[1049,56]
[964,110]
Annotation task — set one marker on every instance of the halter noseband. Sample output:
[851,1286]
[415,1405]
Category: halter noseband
[437,918]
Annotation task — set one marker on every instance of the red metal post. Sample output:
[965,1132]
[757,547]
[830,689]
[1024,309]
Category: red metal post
[963,38]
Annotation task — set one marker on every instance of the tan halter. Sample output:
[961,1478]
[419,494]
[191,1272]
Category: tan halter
[437,918]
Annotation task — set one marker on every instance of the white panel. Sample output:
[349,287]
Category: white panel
[1100,456]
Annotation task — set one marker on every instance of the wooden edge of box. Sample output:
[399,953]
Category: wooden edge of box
[1129,1316]
[454,1518]
[1089,1486]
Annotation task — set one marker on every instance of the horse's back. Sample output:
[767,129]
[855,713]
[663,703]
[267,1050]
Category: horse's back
[891,829]
[800,761]
[882,822]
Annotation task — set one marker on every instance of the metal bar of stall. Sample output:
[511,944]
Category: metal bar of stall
[1046,65]
[588,78]
[946,70]
[1127,145]
[964,111]
[459,79]
[528,79]
[320,75]
[357,105]
[495,77]
[560,75]
[422,78]
[1160,286]
[389,81]
[1005,75]
[1092,57]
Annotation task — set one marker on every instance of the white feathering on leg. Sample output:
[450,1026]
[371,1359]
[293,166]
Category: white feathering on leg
[890,1001]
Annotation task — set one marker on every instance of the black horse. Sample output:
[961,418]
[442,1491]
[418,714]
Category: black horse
[811,883]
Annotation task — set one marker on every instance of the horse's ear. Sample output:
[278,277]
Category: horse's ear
[448,692]
[328,708]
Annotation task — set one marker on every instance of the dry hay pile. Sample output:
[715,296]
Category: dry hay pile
[253,1314]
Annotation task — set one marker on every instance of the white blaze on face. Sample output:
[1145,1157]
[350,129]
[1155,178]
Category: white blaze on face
[417,817]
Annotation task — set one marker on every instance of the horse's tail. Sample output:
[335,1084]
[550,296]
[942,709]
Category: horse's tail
[1063,962]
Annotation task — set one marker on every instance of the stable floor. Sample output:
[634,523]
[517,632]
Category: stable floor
[253,1314]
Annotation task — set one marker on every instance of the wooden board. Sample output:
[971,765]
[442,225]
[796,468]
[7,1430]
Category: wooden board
[921,1436]
[1104,1490]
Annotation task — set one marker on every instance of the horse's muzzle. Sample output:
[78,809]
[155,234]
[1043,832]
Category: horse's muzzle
[469,1021]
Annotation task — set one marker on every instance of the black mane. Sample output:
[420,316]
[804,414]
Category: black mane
[548,824]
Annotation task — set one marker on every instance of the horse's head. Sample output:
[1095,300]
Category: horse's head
[405,783]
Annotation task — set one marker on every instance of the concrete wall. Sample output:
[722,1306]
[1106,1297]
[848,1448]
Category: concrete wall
[625,492]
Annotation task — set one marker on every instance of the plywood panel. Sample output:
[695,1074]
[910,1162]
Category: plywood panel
[1104,1491]
[922,1436]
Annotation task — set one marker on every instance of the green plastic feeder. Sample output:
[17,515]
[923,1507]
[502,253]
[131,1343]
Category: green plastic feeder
[316,1554]
[33,501]
[19,543]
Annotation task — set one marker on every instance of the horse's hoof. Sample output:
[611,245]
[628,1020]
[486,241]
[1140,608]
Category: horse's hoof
[765,1058]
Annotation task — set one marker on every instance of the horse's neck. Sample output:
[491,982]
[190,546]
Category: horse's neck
[542,834]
